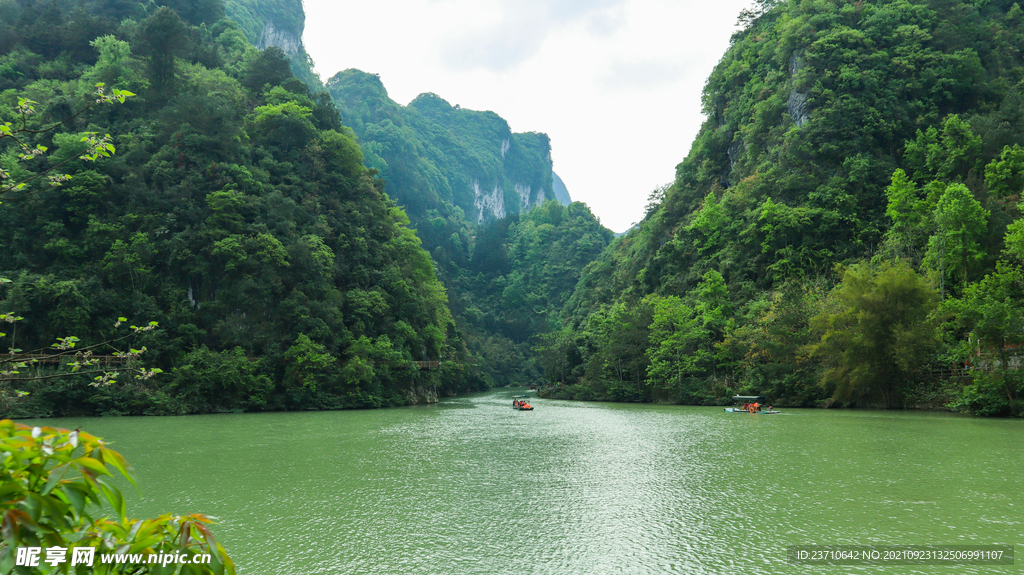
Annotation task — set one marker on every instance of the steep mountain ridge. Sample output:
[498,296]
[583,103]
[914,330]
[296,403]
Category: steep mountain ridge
[836,134]
[433,152]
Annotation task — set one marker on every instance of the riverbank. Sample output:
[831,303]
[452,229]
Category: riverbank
[933,395]
[73,396]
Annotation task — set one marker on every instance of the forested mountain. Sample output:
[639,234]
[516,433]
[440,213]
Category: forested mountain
[882,137]
[468,183]
[237,213]
[241,214]
[433,154]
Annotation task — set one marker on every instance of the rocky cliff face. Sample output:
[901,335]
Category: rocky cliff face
[418,394]
[431,152]
[488,203]
[797,104]
[283,39]
[278,23]
[496,203]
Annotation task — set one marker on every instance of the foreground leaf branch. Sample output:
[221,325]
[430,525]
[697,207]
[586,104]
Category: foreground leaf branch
[97,146]
[59,493]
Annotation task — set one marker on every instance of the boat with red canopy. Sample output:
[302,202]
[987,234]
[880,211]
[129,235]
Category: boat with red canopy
[750,404]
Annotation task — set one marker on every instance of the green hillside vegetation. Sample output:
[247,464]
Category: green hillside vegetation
[846,229]
[237,213]
[523,270]
[508,271]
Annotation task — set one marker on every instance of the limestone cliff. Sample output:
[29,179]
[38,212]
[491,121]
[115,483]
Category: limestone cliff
[276,23]
[283,39]
[433,154]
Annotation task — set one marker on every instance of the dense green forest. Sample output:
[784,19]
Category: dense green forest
[271,246]
[846,229]
[465,178]
[521,274]
[237,213]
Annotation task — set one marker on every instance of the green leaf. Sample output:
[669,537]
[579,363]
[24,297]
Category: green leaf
[157,569]
[75,496]
[118,462]
[33,505]
[7,556]
[141,544]
[57,512]
[9,489]
[92,464]
[114,496]
[56,474]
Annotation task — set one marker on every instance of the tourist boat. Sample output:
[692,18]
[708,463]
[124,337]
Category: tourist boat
[750,404]
[521,404]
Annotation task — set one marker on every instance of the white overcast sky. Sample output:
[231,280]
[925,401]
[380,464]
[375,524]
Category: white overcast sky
[615,83]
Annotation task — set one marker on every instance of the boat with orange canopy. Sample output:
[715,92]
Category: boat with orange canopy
[750,404]
[521,404]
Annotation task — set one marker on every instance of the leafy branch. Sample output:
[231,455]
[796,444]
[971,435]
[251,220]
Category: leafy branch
[58,492]
[97,146]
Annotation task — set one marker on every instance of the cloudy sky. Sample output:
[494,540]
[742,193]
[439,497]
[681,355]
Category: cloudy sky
[615,83]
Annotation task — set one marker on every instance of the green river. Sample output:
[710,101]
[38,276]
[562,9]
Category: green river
[471,486]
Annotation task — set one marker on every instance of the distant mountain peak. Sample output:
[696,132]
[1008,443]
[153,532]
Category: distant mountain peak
[434,154]
[561,192]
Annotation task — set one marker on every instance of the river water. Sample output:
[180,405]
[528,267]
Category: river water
[471,486]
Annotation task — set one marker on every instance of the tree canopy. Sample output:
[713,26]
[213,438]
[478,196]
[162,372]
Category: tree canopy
[237,213]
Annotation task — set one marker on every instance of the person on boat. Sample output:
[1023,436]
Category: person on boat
[757,406]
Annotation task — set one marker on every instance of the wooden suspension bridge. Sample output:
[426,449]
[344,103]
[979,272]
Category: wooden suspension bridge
[38,358]
[50,358]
